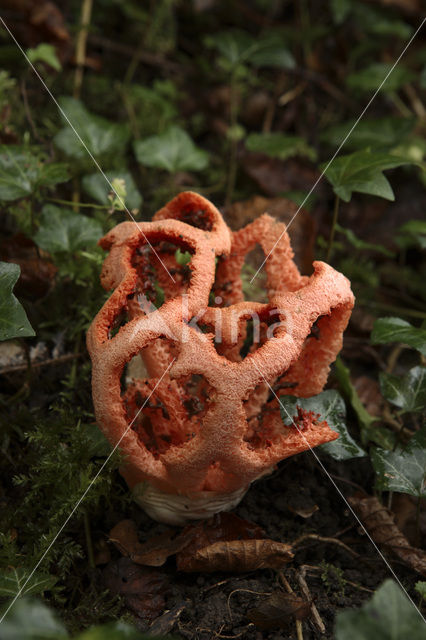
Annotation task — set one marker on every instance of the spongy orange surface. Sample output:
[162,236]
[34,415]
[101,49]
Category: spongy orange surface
[204,417]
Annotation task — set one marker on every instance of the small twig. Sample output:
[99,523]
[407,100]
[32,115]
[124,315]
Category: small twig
[393,358]
[416,104]
[87,205]
[314,536]
[43,363]
[146,57]
[353,484]
[28,112]
[287,586]
[300,575]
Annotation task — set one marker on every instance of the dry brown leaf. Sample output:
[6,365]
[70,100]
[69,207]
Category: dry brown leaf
[236,556]
[275,176]
[279,610]
[143,589]
[405,509]
[368,391]
[380,524]
[124,536]
[37,270]
[304,512]
[152,553]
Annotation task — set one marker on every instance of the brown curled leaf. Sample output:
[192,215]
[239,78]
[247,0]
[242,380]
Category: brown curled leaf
[380,524]
[279,610]
[237,556]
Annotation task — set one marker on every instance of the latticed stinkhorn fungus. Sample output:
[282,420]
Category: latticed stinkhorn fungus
[210,425]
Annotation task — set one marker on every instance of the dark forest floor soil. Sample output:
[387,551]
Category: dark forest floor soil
[205,606]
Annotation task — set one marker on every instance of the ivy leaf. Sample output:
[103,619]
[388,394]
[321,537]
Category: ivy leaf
[64,230]
[12,580]
[238,48]
[22,172]
[101,136]
[370,78]
[389,615]
[278,145]
[45,53]
[96,186]
[398,330]
[234,46]
[13,319]
[403,470]
[362,172]
[378,133]
[31,620]
[407,392]
[172,150]
[270,52]
[331,408]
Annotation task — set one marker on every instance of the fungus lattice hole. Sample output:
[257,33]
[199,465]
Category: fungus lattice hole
[243,332]
[119,321]
[196,216]
[167,414]
[256,290]
[264,425]
[156,264]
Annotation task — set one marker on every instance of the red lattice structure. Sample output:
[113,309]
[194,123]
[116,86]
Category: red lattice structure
[210,425]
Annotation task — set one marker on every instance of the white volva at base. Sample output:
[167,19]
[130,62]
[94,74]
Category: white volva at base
[181,509]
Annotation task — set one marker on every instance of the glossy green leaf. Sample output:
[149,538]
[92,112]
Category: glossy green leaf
[377,133]
[22,172]
[271,53]
[398,330]
[278,145]
[371,78]
[13,580]
[403,470]
[238,48]
[173,151]
[362,172]
[234,46]
[98,188]
[31,620]
[98,134]
[64,230]
[13,319]
[407,392]
[389,615]
[330,407]
[45,53]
